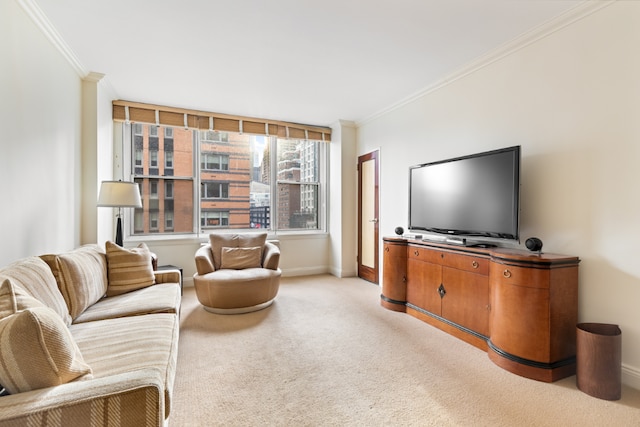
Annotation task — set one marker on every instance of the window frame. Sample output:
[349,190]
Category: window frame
[123,161]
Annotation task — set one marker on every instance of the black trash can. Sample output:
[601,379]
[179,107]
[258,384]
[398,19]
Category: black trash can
[599,360]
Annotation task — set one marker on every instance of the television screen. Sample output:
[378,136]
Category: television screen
[476,195]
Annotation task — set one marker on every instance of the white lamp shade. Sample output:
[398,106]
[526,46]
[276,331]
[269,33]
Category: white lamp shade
[119,194]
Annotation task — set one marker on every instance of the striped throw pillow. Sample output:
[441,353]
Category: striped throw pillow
[81,275]
[14,299]
[38,351]
[128,269]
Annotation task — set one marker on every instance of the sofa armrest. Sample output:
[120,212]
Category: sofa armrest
[271,256]
[167,276]
[204,260]
[135,399]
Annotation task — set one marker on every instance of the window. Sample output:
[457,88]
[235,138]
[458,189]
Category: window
[168,159]
[215,190]
[168,220]
[153,189]
[153,221]
[298,183]
[214,219]
[211,161]
[243,181]
[214,136]
[153,158]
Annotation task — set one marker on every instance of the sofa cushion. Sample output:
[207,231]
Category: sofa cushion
[159,298]
[81,275]
[34,276]
[240,258]
[38,351]
[115,346]
[245,240]
[14,299]
[128,269]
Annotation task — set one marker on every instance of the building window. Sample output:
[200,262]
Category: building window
[214,136]
[153,189]
[153,158]
[153,221]
[215,190]
[212,161]
[214,219]
[168,159]
[245,181]
[168,220]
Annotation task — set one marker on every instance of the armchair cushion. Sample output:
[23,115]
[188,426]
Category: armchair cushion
[38,351]
[240,258]
[248,240]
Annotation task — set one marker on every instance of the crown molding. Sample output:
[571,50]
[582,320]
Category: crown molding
[540,32]
[38,17]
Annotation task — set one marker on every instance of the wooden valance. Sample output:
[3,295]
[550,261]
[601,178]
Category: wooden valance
[179,117]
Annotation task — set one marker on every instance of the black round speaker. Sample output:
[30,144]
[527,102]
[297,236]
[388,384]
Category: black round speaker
[533,244]
[399,231]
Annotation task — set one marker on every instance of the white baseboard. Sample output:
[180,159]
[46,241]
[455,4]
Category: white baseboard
[305,271]
[631,376]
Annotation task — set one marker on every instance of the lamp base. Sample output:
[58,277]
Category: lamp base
[119,232]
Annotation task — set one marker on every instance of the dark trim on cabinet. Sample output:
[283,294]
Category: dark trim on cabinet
[392,301]
[532,363]
[448,322]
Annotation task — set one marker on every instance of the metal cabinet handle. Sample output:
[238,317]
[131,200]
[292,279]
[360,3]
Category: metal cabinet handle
[416,253]
[404,279]
[386,248]
[475,264]
[506,273]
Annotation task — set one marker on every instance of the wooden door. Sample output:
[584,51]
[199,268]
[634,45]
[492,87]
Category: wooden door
[368,258]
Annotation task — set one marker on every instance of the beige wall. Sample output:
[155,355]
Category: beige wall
[572,101]
[40,109]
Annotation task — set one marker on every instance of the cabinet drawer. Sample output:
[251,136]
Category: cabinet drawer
[473,264]
[392,250]
[519,276]
[424,254]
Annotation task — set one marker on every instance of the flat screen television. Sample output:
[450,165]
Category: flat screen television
[471,196]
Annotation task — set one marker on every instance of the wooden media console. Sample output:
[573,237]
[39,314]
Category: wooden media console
[521,307]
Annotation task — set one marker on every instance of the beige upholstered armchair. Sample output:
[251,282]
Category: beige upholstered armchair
[237,273]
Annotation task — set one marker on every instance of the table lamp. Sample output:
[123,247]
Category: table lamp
[119,194]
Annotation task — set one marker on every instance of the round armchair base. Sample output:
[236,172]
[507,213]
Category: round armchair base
[237,291]
[239,310]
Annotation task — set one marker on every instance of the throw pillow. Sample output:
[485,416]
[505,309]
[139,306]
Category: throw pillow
[239,258]
[81,275]
[128,269]
[245,240]
[14,299]
[38,351]
[35,277]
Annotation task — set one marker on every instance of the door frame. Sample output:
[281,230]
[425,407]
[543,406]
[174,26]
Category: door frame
[365,272]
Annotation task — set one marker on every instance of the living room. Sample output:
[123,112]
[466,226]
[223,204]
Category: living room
[567,93]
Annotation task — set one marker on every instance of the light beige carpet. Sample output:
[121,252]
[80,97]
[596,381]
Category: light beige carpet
[327,354]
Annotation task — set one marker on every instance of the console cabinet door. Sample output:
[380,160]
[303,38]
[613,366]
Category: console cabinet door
[394,282]
[466,301]
[423,280]
[520,317]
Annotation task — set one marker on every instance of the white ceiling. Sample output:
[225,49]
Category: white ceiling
[304,61]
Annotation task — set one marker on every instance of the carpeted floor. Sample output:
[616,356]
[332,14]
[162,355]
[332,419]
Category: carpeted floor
[327,354]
